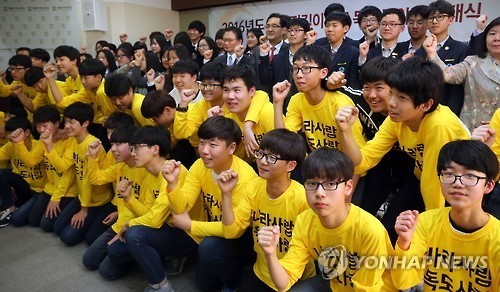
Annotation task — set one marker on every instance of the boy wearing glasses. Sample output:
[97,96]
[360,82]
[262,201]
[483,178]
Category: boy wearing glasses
[368,21]
[392,24]
[450,51]
[272,197]
[459,245]
[416,121]
[337,234]
[184,76]
[417,28]
[218,266]
[78,220]
[18,65]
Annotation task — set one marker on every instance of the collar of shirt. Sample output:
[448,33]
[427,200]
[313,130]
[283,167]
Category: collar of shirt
[334,50]
[386,52]
[278,47]
[441,44]
[290,57]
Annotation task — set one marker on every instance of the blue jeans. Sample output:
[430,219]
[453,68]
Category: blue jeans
[96,257]
[72,236]
[8,181]
[221,261]
[316,283]
[494,203]
[47,223]
[32,211]
[147,246]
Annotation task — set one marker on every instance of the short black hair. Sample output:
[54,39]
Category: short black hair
[396,11]
[212,71]
[185,66]
[341,17]
[302,22]
[17,122]
[33,75]
[480,45]
[422,80]
[40,54]
[86,56]
[46,113]
[243,72]
[103,43]
[422,10]
[316,54]
[154,103]
[287,144]
[237,32]
[154,34]
[198,25]
[127,49]
[112,48]
[470,154]
[140,46]
[220,127]
[369,10]
[123,134]
[334,7]
[67,51]
[92,67]
[117,85]
[283,18]
[22,49]
[181,51]
[118,119]
[219,34]
[20,60]
[182,38]
[329,164]
[160,40]
[151,136]
[377,69]
[79,111]
[442,6]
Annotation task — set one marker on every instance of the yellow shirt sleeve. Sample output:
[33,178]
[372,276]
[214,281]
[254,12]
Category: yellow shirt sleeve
[61,163]
[495,124]
[259,100]
[30,158]
[185,195]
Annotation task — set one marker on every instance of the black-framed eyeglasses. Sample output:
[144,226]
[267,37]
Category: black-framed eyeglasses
[440,17]
[310,185]
[304,70]
[296,30]
[467,179]
[16,69]
[270,158]
[371,20]
[207,86]
[389,24]
[133,148]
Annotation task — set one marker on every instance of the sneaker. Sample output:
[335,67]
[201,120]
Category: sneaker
[174,266]
[168,287]
[5,217]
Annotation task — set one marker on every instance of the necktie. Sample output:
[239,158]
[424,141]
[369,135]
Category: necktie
[271,54]
[230,61]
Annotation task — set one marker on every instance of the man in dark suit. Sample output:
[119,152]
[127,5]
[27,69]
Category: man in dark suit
[279,69]
[344,55]
[368,20]
[392,24]
[450,51]
[233,40]
[417,28]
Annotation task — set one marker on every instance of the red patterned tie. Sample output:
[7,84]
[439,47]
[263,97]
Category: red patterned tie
[271,54]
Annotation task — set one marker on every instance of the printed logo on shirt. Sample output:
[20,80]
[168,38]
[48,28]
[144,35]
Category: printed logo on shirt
[332,262]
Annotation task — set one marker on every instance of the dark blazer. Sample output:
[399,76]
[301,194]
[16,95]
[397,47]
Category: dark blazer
[324,42]
[346,60]
[372,44]
[398,52]
[453,52]
[245,60]
[256,59]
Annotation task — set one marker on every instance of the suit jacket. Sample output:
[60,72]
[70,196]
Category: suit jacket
[245,60]
[452,52]
[482,87]
[324,42]
[398,52]
[372,44]
[256,59]
[346,61]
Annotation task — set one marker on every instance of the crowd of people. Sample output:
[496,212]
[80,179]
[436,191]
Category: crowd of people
[326,164]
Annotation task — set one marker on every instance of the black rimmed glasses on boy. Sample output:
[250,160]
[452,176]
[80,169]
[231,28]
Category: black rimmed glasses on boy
[270,158]
[304,70]
[133,148]
[207,86]
[468,179]
[439,18]
[326,185]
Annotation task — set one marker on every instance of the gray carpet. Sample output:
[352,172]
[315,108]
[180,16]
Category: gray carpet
[32,260]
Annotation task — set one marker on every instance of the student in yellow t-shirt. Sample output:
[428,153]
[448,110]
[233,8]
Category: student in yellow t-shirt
[134,204]
[272,198]
[456,247]
[18,66]
[217,265]
[60,187]
[78,220]
[147,239]
[416,121]
[119,89]
[67,61]
[331,230]
[25,181]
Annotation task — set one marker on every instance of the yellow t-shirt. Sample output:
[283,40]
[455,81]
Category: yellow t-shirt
[74,85]
[318,121]
[495,124]
[360,236]
[256,209]
[47,98]
[136,113]
[436,129]
[435,242]
[201,189]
